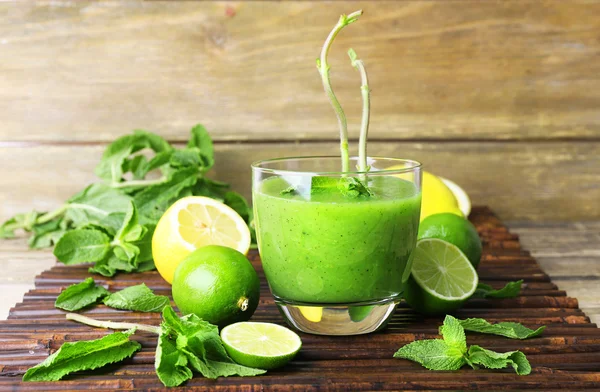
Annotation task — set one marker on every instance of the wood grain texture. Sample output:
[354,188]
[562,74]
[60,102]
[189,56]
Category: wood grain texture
[438,69]
[546,181]
[566,356]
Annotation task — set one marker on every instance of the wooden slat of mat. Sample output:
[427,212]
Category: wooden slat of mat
[567,356]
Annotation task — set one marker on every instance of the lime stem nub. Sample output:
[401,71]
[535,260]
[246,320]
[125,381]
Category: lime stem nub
[243,303]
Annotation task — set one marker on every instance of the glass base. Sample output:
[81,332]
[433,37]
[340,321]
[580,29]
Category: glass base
[338,319]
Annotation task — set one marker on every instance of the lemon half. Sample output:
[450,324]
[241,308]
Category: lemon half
[193,222]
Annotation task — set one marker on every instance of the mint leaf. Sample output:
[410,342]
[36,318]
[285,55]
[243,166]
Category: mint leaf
[353,187]
[171,364]
[95,203]
[127,252]
[239,204]
[289,190]
[154,200]
[25,221]
[114,159]
[200,139]
[493,360]
[80,295]
[144,244]
[350,187]
[191,343]
[454,334]
[137,298]
[507,329]
[130,230]
[47,234]
[510,290]
[80,246]
[434,354]
[83,355]
[110,265]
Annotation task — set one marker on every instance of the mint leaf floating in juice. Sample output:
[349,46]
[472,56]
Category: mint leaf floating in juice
[335,235]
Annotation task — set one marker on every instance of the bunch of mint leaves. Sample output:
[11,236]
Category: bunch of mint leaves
[185,345]
[451,352]
[139,298]
[110,223]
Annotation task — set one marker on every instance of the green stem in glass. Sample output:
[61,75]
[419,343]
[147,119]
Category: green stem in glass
[366,111]
[323,68]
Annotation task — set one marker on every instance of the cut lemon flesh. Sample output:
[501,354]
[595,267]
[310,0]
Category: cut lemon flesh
[191,223]
[464,202]
[443,271]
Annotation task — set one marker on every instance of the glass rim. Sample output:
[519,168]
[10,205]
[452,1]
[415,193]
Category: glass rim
[257,165]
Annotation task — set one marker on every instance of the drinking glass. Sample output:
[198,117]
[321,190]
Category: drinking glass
[336,246]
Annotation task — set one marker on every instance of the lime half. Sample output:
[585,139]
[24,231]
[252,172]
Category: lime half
[260,345]
[442,278]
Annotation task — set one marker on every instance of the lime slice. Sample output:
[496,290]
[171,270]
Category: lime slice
[442,278]
[260,345]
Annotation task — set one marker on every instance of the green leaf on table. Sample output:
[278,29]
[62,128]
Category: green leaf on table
[434,354]
[114,158]
[137,298]
[95,203]
[190,343]
[81,246]
[510,290]
[25,221]
[153,201]
[210,188]
[130,229]
[144,244]
[47,234]
[80,295]
[111,264]
[239,204]
[454,334]
[83,355]
[506,329]
[127,252]
[171,364]
[493,360]
[201,140]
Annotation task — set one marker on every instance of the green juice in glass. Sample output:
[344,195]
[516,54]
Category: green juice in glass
[328,248]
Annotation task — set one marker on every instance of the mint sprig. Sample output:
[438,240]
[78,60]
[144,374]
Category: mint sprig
[110,223]
[137,298]
[83,355]
[506,329]
[510,290]
[185,346]
[451,353]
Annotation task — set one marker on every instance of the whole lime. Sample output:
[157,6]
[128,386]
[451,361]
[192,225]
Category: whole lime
[455,230]
[217,284]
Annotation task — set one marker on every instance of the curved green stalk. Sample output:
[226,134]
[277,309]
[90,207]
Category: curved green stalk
[323,68]
[366,111]
[111,324]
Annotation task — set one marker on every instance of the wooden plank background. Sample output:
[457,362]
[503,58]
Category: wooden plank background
[502,97]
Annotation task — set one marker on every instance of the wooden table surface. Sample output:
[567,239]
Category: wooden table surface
[568,252]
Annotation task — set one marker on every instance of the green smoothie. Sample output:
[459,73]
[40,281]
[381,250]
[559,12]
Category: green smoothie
[329,247]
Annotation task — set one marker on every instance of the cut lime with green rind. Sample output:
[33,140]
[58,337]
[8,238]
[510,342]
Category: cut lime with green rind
[260,345]
[456,230]
[442,278]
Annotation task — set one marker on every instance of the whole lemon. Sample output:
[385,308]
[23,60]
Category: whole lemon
[436,197]
[217,284]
